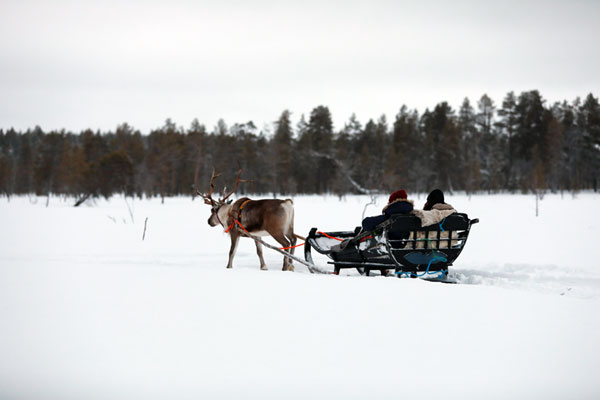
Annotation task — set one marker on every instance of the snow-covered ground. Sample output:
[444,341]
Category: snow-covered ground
[90,311]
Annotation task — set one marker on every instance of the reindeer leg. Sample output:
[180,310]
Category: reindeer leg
[234,242]
[259,251]
[282,240]
[292,239]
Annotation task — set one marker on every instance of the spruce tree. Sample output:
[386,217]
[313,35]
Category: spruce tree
[508,126]
[320,133]
[282,153]
[589,121]
[470,146]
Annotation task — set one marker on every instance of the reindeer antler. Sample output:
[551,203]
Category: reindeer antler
[237,183]
[208,197]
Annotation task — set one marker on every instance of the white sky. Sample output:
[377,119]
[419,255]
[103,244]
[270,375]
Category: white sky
[95,64]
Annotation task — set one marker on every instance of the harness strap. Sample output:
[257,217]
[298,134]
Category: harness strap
[235,219]
[243,204]
[230,226]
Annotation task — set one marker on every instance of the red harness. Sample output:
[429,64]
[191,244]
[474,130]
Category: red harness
[236,220]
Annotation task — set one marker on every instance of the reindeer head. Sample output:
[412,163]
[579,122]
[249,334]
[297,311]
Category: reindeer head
[216,205]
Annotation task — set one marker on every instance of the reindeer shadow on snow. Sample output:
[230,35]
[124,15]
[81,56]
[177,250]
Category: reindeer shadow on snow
[268,217]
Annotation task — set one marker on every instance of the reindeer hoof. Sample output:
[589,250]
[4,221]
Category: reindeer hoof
[263,267]
[229,266]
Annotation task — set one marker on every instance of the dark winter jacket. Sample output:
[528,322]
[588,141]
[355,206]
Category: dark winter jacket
[400,206]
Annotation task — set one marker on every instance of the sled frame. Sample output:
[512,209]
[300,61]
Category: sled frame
[410,249]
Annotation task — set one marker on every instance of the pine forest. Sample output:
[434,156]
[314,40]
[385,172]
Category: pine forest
[523,144]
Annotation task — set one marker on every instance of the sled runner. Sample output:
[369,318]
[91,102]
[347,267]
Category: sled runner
[399,244]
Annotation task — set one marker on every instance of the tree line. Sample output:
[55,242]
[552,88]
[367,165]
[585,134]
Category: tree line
[520,145]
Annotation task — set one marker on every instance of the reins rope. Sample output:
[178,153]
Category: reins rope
[341,240]
[330,237]
[426,272]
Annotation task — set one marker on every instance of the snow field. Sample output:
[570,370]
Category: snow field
[89,310]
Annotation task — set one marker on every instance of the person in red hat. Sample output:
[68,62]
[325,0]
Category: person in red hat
[398,203]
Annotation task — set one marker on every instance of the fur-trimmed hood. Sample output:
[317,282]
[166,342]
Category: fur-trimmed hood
[397,201]
[435,215]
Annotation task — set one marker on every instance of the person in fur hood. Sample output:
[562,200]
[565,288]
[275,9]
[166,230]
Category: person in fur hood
[398,203]
[434,211]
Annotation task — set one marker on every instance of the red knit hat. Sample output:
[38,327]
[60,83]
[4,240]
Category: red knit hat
[398,194]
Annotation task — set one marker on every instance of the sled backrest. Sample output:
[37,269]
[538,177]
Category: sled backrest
[408,223]
[435,246]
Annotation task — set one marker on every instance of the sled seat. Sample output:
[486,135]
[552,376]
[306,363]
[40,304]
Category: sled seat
[399,243]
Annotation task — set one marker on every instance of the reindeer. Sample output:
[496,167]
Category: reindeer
[257,217]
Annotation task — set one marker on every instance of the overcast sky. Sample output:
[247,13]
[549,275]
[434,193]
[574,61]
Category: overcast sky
[94,64]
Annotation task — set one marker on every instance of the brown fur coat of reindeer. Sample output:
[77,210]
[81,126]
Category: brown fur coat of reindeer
[257,217]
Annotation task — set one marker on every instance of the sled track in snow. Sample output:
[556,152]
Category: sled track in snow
[550,279]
